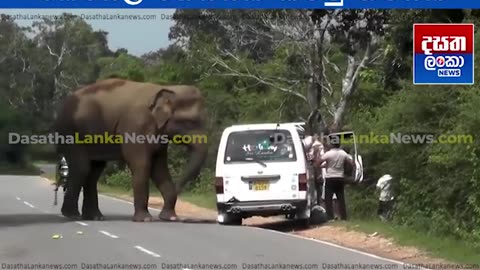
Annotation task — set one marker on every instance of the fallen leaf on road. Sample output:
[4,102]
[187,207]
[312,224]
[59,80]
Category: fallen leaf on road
[56,236]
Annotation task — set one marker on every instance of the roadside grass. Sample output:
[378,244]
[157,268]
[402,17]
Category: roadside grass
[440,247]
[207,200]
[19,170]
[41,161]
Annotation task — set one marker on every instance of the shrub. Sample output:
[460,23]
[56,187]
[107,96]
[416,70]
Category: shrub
[204,182]
[437,186]
[121,179]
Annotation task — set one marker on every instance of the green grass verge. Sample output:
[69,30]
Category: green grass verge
[19,170]
[40,161]
[441,247]
[207,200]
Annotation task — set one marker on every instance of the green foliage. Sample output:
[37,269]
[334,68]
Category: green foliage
[204,183]
[121,179]
[437,185]
[11,121]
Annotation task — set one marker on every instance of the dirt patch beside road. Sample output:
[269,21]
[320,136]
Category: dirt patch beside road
[373,244]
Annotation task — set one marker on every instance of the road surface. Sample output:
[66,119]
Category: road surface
[28,220]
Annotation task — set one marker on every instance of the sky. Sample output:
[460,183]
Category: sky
[138,36]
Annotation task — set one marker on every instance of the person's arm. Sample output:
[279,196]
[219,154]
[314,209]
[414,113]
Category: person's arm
[350,161]
[320,160]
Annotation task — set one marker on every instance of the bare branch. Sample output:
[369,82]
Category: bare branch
[235,73]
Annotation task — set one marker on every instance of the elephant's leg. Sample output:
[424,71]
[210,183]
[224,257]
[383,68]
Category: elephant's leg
[90,210]
[139,163]
[163,180]
[79,167]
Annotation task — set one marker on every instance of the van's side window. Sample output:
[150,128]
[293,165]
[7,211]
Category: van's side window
[260,145]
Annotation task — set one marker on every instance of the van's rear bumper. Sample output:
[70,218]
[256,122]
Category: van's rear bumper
[262,208]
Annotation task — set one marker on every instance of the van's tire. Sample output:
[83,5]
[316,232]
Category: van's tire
[232,221]
[318,215]
[303,222]
[290,216]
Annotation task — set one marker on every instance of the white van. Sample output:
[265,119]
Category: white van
[262,170]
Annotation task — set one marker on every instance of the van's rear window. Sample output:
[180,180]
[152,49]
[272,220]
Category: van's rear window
[260,145]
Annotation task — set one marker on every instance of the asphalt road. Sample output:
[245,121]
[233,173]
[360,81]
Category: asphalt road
[28,220]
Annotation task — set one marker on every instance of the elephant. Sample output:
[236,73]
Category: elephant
[119,106]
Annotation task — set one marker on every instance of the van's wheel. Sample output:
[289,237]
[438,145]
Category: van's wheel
[290,216]
[232,221]
[318,215]
[303,222]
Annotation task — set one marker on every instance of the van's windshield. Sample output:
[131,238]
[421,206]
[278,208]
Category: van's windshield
[260,146]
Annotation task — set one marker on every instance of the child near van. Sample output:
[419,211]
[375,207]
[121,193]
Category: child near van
[386,198]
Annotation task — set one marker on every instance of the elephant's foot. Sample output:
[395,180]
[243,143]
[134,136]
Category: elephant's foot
[143,216]
[71,214]
[168,215]
[97,216]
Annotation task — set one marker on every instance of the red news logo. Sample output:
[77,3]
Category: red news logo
[443,53]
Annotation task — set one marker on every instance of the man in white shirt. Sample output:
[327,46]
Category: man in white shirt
[385,200]
[334,162]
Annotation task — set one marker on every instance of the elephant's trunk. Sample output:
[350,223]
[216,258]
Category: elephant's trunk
[198,154]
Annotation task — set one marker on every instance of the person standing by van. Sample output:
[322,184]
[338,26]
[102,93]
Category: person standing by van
[386,198]
[334,161]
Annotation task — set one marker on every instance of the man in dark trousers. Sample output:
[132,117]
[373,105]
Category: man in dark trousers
[334,161]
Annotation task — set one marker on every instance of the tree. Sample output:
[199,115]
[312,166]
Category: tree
[67,52]
[303,45]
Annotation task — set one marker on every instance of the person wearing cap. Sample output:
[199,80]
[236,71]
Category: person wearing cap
[334,161]
[386,198]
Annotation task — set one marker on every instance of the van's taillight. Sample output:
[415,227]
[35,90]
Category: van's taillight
[302,182]
[219,185]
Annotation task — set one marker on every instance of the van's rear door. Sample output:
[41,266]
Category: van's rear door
[253,182]
[257,168]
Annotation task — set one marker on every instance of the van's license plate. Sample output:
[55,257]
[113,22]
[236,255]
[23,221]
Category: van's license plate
[260,185]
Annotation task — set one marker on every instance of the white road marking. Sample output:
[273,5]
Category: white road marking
[300,237]
[109,234]
[28,204]
[81,223]
[142,249]
[340,247]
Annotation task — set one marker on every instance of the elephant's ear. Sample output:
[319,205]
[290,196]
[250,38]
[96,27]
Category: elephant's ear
[162,106]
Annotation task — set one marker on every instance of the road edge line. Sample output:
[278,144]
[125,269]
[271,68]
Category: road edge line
[342,247]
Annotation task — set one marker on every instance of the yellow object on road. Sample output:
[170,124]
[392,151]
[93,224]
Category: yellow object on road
[57,236]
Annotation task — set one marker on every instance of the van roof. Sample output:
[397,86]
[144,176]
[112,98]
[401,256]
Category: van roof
[261,126]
